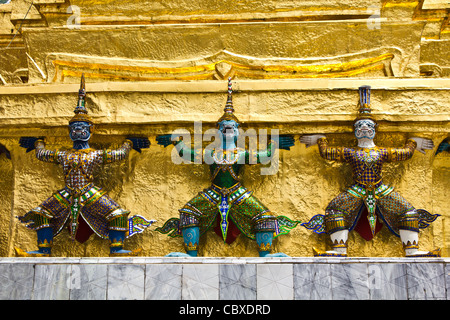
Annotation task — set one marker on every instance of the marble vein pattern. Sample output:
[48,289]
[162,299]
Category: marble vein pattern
[349,282]
[200,282]
[447,279]
[312,282]
[51,282]
[238,282]
[212,279]
[275,282]
[88,282]
[163,282]
[426,281]
[126,282]
[16,281]
[387,281]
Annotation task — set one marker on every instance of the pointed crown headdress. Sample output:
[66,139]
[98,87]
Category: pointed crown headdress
[81,113]
[364,111]
[228,113]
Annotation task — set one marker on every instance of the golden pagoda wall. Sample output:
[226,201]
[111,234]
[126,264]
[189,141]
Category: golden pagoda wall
[150,184]
[152,67]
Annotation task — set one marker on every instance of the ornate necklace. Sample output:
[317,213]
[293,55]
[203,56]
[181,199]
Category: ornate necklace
[225,156]
[368,157]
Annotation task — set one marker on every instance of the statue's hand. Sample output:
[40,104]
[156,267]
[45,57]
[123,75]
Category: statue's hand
[310,140]
[139,143]
[423,144]
[29,142]
[285,142]
[164,140]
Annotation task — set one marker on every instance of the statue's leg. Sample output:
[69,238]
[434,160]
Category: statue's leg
[109,220]
[191,237]
[117,236]
[400,215]
[44,239]
[340,215]
[336,227]
[265,225]
[264,242]
[197,210]
[45,218]
[339,242]
[409,234]
[190,229]
[116,240]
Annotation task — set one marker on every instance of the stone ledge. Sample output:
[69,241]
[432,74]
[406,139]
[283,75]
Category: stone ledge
[217,260]
[163,278]
[416,103]
[238,86]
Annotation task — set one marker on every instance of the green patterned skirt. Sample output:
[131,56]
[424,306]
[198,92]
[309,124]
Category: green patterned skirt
[215,207]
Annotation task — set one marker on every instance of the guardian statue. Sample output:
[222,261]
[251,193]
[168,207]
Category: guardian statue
[226,205]
[369,198]
[81,206]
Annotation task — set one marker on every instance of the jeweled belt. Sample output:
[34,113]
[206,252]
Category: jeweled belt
[224,190]
[77,192]
[370,186]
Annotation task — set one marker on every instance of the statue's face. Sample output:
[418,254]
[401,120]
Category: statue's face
[365,129]
[229,131]
[80,131]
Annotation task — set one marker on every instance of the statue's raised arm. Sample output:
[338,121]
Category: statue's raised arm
[185,152]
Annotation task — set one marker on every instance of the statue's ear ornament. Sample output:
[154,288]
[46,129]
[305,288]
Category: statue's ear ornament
[365,112]
[81,113]
[229,109]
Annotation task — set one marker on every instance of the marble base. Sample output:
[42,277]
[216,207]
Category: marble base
[164,278]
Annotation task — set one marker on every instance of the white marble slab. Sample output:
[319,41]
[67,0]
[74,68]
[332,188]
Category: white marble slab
[447,279]
[275,282]
[426,281]
[349,281]
[387,281]
[200,282]
[312,281]
[16,282]
[51,282]
[126,282]
[216,260]
[88,282]
[163,282]
[305,278]
[237,282]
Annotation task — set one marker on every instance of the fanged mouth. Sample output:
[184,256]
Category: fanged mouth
[228,131]
[365,133]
